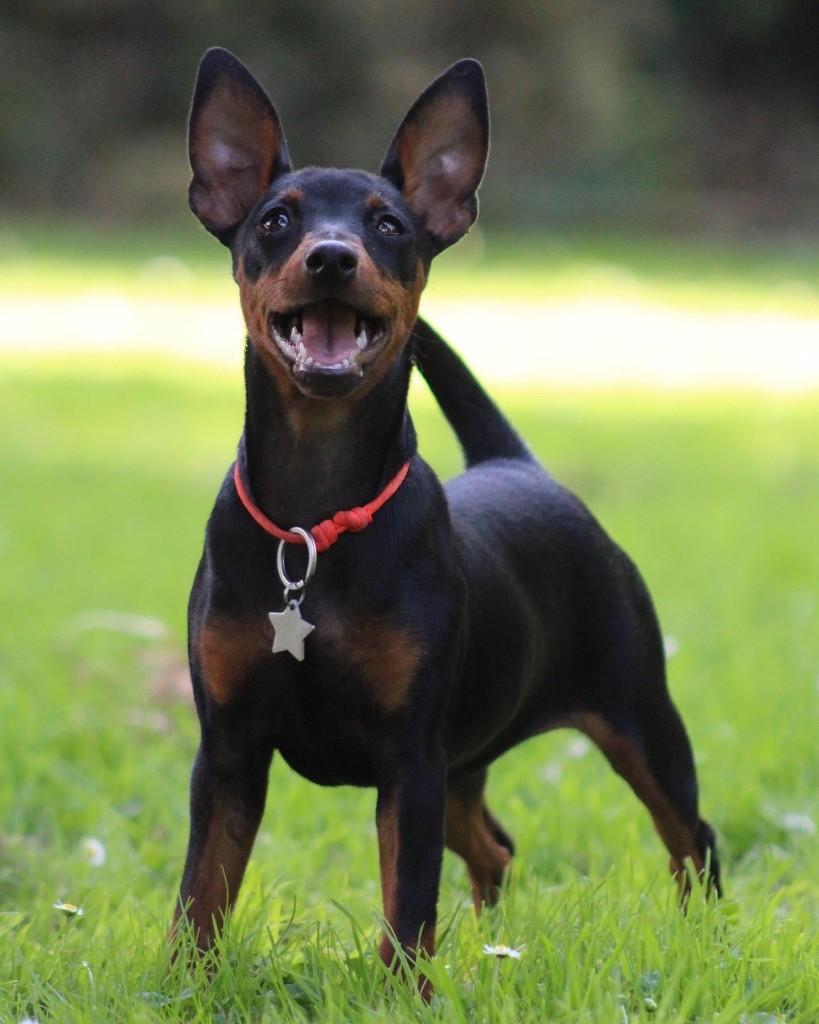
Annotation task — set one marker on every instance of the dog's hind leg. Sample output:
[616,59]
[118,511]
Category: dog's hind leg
[476,835]
[653,754]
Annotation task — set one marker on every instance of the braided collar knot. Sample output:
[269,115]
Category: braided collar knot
[327,533]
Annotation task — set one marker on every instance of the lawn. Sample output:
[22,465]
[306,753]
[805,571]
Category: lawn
[42,258]
[109,467]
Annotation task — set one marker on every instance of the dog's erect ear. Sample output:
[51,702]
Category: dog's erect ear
[235,141]
[438,155]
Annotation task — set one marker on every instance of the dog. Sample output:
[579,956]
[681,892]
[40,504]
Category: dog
[403,634]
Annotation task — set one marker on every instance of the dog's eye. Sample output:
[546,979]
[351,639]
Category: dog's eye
[276,219]
[388,225]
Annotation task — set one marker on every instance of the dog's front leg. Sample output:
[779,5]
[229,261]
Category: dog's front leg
[228,789]
[410,822]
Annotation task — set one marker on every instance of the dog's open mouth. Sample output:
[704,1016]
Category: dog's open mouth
[328,337]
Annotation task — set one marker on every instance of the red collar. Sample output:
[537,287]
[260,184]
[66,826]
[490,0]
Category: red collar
[328,532]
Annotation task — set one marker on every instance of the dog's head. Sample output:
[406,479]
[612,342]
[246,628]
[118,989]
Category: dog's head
[331,263]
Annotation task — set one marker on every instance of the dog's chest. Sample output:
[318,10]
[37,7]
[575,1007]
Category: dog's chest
[332,711]
[328,713]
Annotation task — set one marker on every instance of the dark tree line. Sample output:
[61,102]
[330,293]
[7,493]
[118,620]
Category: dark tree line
[670,113]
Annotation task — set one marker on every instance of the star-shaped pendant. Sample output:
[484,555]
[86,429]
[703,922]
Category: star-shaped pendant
[290,631]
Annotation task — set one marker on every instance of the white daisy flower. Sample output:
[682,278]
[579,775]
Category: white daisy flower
[503,952]
[92,852]
[69,909]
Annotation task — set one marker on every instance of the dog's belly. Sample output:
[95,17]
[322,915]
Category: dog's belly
[515,673]
[327,753]
[327,767]
[324,727]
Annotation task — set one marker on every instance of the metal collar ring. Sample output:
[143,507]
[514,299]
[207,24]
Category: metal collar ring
[312,556]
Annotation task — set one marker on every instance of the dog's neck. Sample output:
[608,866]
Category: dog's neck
[332,455]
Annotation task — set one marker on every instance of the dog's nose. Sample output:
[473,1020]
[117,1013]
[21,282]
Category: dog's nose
[331,262]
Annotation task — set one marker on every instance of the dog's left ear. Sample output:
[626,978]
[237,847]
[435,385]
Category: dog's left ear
[438,155]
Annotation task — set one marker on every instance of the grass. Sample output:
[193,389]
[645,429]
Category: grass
[182,260]
[109,468]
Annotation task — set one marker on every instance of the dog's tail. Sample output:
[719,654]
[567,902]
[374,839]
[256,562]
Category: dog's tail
[481,428]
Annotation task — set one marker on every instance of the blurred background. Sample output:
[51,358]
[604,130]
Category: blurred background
[652,190]
[690,116]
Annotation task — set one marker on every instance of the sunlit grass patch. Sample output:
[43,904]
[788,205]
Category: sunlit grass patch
[183,260]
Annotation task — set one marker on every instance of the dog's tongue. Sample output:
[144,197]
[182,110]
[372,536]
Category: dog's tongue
[328,331]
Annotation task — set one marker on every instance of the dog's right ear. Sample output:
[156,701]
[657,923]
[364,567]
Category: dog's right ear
[235,142]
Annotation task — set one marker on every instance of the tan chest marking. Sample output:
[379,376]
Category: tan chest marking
[228,650]
[386,657]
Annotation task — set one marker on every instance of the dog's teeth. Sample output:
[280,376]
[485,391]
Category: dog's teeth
[301,350]
[361,340]
[345,362]
[295,337]
[309,360]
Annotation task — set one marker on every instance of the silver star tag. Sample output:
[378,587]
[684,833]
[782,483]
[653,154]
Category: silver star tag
[290,630]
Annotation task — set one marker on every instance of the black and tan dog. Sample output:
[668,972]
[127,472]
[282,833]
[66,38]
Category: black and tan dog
[443,624]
